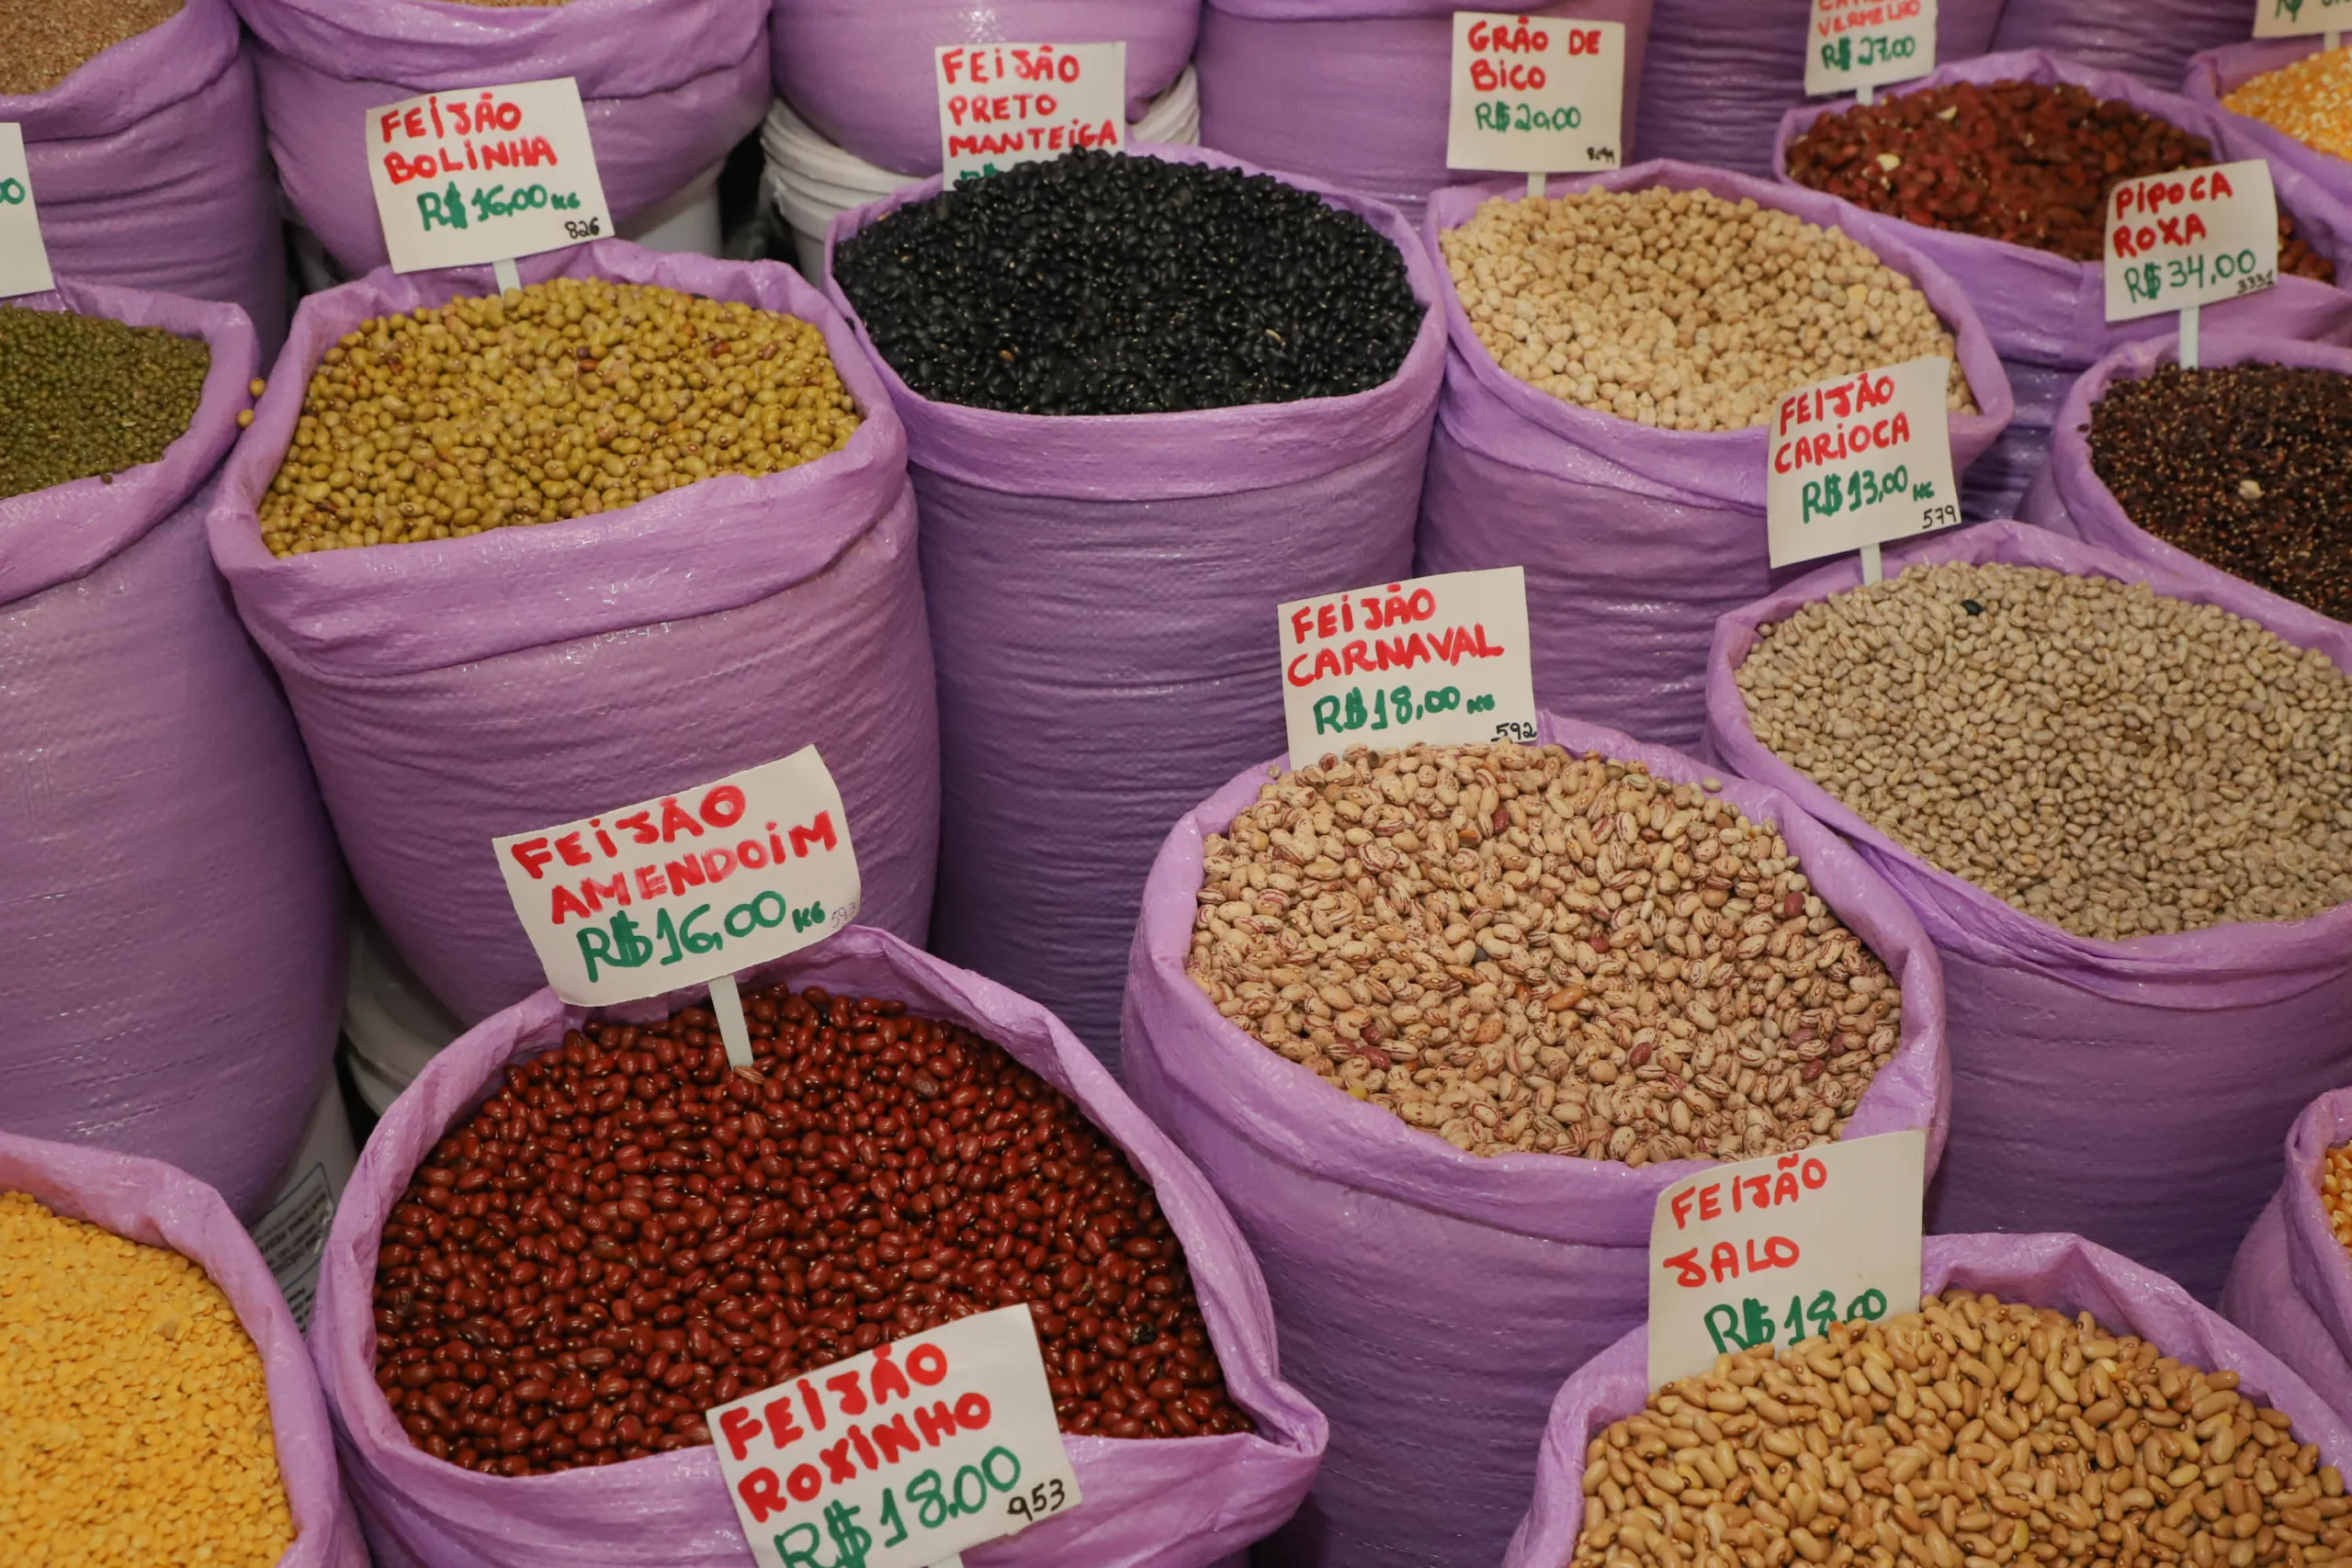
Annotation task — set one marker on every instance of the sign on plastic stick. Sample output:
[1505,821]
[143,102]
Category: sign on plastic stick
[484,175]
[1002,104]
[2301,19]
[1853,46]
[2189,238]
[1539,95]
[24,260]
[1858,460]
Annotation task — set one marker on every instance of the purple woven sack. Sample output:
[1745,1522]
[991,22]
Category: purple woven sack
[1634,538]
[2131,1091]
[2218,72]
[2148,39]
[867,84]
[1170,1503]
[1722,76]
[157,1204]
[148,169]
[170,903]
[2061,1272]
[2048,315]
[1103,593]
[1430,1301]
[1356,92]
[2292,1285]
[454,691]
[669,86]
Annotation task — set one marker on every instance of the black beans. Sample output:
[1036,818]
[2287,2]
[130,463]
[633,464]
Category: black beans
[2245,467]
[1103,283]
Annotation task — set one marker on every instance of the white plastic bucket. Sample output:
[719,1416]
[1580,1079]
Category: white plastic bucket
[392,1026]
[292,1233]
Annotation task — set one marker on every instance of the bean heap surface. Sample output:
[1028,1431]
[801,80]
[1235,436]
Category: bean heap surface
[2249,467]
[1519,949]
[2020,161]
[1971,1432]
[134,1412]
[85,396]
[2114,763]
[1101,284]
[44,41]
[628,1234]
[2336,1193]
[572,397]
[2311,100]
[1679,309]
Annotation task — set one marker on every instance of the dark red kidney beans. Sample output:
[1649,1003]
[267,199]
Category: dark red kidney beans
[627,1233]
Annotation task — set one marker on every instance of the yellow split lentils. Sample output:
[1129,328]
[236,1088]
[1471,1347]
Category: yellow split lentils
[569,397]
[134,1418]
[2310,100]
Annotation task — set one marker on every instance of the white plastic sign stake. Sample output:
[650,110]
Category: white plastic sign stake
[1436,659]
[2190,237]
[1858,460]
[1773,1250]
[902,1457]
[687,887]
[24,260]
[1002,104]
[485,174]
[1538,94]
[2301,19]
[1852,46]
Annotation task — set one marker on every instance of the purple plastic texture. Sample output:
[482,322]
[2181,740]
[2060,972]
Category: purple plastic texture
[148,169]
[1167,1504]
[170,903]
[458,690]
[2133,1091]
[1720,77]
[1356,92]
[867,85]
[2218,72]
[1634,538]
[669,86]
[1430,1300]
[2292,1286]
[1102,593]
[2150,40]
[149,1201]
[2048,315]
[2061,1272]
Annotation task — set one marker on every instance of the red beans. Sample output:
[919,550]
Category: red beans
[626,1234]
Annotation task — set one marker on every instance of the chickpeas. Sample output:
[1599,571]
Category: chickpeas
[566,398]
[1682,310]
[134,1412]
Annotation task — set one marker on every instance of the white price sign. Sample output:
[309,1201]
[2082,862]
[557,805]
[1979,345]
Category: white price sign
[1770,1251]
[1858,460]
[2298,18]
[902,1457]
[24,261]
[2189,238]
[1539,95]
[485,174]
[1002,104]
[687,887]
[1855,45]
[1442,660]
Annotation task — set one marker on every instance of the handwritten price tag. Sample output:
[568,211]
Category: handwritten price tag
[902,1457]
[1002,104]
[687,887]
[1859,460]
[1770,1251]
[24,261]
[1856,44]
[1540,94]
[2297,18]
[2190,237]
[486,175]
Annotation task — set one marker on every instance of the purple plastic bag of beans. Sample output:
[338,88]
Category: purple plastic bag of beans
[2150,40]
[2292,1285]
[2048,315]
[2131,1091]
[148,169]
[1720,77]
[669,86]
[170,908]
[1430,1300]
[1634,538]
[1101,592]
[1170,1503]
[2218,72]
[2064,1272]
[867,84]
[160,1205]
[454,691]
[1356,92]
